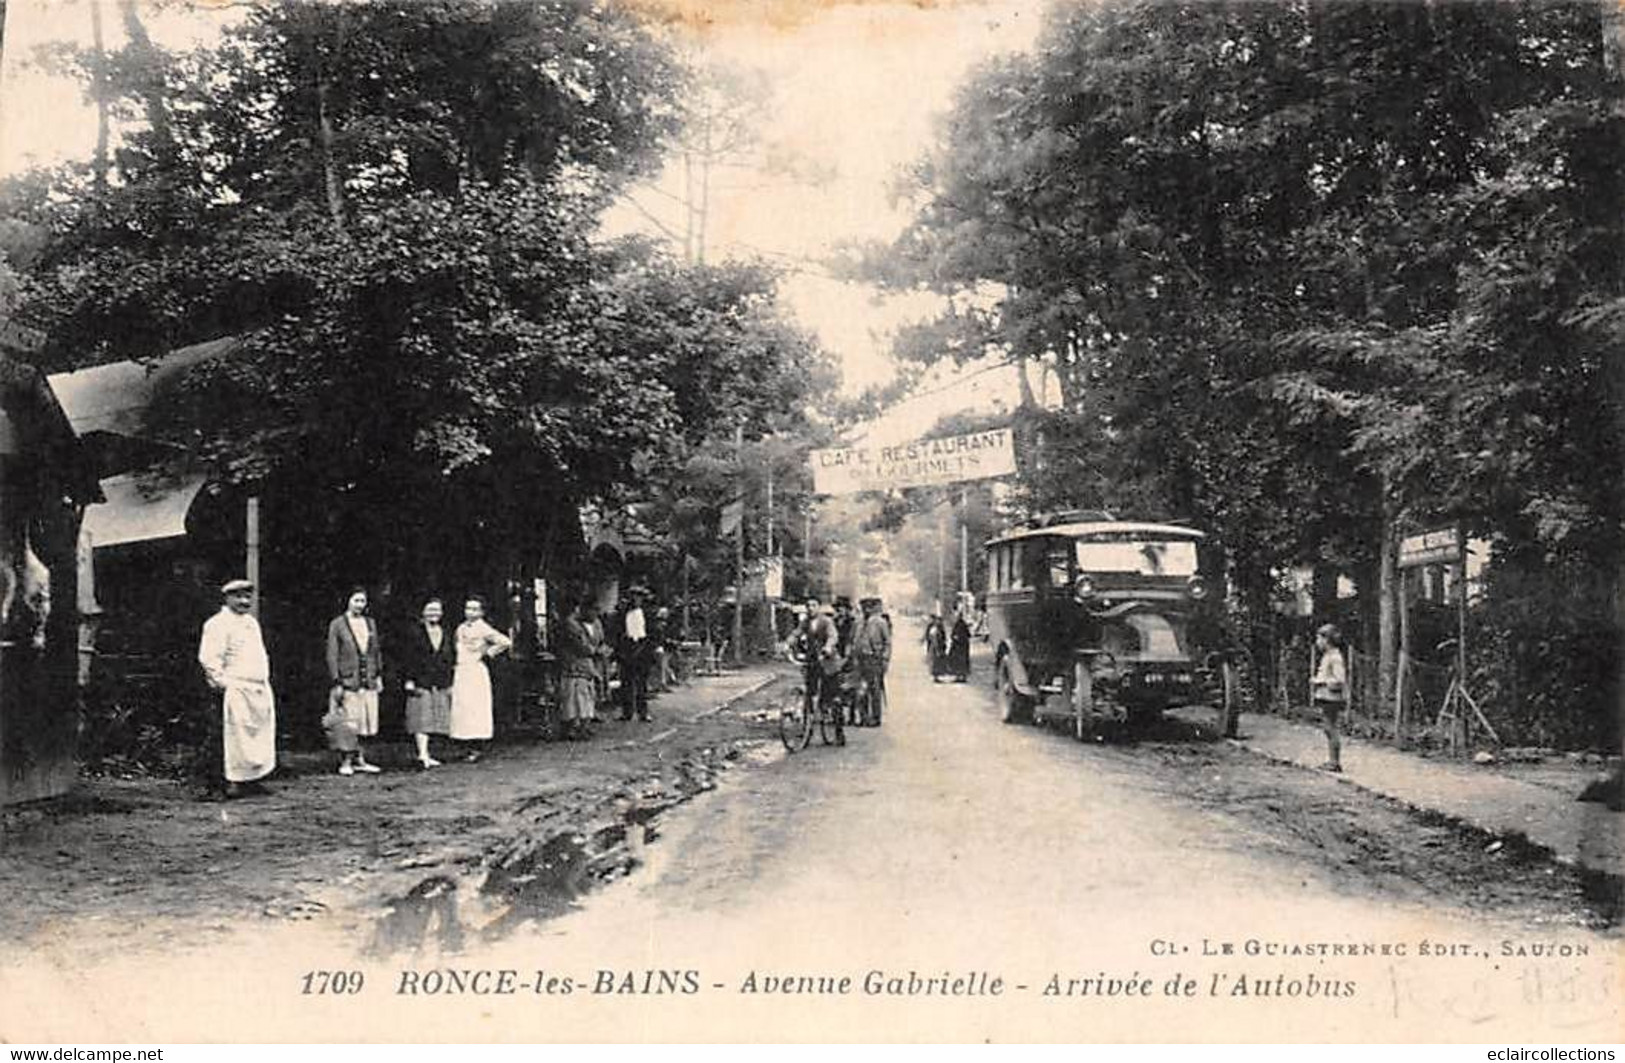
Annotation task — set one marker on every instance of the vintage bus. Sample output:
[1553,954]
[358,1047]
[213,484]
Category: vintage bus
[1098,621]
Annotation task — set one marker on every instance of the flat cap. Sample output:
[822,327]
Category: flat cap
[236,585]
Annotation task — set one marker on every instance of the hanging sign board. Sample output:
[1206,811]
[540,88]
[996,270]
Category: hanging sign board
[1429,548]
[921,463]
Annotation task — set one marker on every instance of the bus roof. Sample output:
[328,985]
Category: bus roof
[1114,528]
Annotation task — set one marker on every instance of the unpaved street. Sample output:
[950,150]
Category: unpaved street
[943,876]
[947,841]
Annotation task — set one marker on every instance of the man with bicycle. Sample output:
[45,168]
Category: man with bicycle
[822,661]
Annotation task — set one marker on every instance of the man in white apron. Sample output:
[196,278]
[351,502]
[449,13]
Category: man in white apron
[232,653]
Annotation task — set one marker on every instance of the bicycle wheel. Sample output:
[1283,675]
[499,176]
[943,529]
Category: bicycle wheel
[795,724]
[830,730]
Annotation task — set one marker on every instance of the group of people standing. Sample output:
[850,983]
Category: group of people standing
[847,655]
[948,647]
[585,651]
[443,673]
[443,670]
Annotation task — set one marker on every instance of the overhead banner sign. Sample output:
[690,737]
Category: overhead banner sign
[922,463]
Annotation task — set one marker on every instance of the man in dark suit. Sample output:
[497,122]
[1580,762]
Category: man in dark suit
[636,656]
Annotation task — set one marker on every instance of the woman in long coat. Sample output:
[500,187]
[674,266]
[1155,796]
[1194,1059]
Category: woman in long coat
[355,666]
[936,647]
[477,642]
[959,648]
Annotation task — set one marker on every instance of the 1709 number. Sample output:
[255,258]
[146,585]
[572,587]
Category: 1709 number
[333,983]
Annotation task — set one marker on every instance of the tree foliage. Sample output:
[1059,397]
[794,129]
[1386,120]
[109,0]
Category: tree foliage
[394,203]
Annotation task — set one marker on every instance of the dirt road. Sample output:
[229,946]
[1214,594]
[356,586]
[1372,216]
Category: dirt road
[944,876]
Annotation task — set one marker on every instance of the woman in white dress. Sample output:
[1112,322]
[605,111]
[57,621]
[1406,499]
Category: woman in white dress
[477,642]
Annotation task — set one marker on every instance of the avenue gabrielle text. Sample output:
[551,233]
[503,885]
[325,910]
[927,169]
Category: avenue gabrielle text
[875,982]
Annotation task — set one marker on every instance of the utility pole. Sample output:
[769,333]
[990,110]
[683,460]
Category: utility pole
[769,616]
[739,553]
[964,543]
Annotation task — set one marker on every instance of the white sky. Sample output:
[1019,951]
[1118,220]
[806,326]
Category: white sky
[855,88]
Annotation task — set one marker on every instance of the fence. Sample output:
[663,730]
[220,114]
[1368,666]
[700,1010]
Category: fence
[1413,720]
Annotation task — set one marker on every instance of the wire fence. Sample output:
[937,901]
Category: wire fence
[1409,714]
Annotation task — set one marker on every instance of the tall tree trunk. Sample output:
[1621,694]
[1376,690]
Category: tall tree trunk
[99,164]
[1387,592]
[150,81]
[706,158]
[1611,23]
[330,170]
[1028,400]
[332,186]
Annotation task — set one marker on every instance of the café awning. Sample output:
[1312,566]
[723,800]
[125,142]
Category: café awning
[114,397]
[139,510]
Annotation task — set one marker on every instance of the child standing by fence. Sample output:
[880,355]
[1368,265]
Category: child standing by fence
[1330,690]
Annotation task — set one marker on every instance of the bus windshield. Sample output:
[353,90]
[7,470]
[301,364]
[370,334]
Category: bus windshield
[1175,557]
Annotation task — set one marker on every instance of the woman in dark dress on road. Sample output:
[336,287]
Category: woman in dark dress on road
[959,648]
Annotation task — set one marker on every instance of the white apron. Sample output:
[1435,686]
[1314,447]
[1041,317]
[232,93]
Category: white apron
[248,725]
[471,701]
[471,681]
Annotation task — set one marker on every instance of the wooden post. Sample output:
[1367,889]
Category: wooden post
[1404,656]
[251,550]
[739,555]
[686,593]
[89,608]
[1461,629]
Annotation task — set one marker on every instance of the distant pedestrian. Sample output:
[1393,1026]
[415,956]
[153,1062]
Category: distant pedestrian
[428,662]
[355,669]
[661,638]
[959,647]
[242,735]
[1330,692]
[477,642]
[635,658]
[578,646]
[936,647]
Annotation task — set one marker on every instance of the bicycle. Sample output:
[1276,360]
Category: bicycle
[816,708]
[870,703]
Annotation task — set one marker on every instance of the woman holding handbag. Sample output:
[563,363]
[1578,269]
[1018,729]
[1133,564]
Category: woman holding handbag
[355,667]
[476,642]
